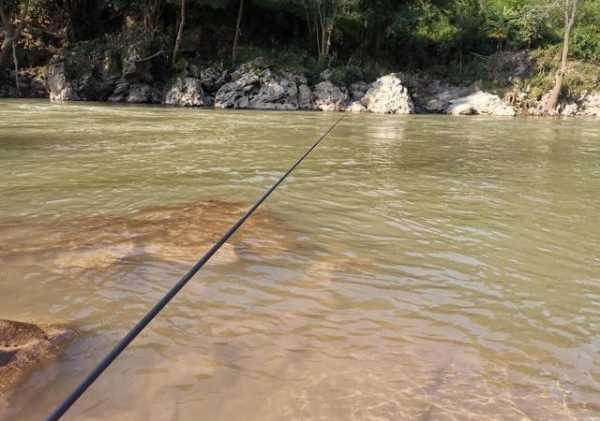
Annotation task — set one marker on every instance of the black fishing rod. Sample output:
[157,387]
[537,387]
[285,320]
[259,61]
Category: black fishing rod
[64,406]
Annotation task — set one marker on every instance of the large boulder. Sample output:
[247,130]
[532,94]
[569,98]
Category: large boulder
[480,103]
[388,95]
[279,94]
[185,92]
[436,96]
[329,97]
[23,346]
[262,89]
[236,94]
[78,78]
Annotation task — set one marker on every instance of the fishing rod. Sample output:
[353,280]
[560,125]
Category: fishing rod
[68,402]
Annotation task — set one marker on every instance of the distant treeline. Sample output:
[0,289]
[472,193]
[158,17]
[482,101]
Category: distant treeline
[418,33]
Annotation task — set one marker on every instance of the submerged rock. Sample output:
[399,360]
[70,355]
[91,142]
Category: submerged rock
[480,103]
[23,346]
[185,92]
[388,95]
[176,233]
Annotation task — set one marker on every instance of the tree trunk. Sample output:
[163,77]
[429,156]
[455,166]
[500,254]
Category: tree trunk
[5,16]
[11,33]
[237,32]
[570,13]
[179,32]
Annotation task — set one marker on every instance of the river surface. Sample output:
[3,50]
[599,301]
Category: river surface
[426,268]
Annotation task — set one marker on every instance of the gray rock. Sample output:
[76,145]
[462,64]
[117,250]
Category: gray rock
[569,110]
[590,105]
[326,74]
[185,92]
[262,89]
[120,93]
[481,103]
[143,94]
[235,94]
[358,90]
[276,95]
[328,97]
[59,88]
[388,95]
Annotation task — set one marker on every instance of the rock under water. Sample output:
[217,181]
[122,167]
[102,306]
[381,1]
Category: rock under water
[179,233]
[23,347]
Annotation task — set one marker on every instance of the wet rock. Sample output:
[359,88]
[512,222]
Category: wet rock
[328,97]
[23,346]
[388,95]
[480,103]
[185,92]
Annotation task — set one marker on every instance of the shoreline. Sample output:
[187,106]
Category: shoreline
[255,86]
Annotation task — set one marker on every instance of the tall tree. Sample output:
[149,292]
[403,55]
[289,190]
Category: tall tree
[179,31]
[237,32]
[570,12]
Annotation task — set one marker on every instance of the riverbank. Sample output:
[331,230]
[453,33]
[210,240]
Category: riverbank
[133,73]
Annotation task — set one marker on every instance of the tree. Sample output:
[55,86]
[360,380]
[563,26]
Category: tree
[152,11]
[570,12]
[12,23]
[237,32]
[179,31]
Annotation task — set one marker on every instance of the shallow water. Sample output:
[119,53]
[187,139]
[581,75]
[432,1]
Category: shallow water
[413,268]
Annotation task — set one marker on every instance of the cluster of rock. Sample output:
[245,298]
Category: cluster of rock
[254,85]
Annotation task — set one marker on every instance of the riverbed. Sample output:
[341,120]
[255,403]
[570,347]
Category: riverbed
[414,267]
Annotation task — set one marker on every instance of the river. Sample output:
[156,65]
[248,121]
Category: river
[419,267]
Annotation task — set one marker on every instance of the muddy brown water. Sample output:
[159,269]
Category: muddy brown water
[416,267]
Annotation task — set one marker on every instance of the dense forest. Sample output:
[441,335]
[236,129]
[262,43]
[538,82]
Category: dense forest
[456,40]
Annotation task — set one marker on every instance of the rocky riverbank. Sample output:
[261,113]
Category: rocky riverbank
[132,78]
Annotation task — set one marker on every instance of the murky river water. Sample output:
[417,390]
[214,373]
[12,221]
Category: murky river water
[413,268]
